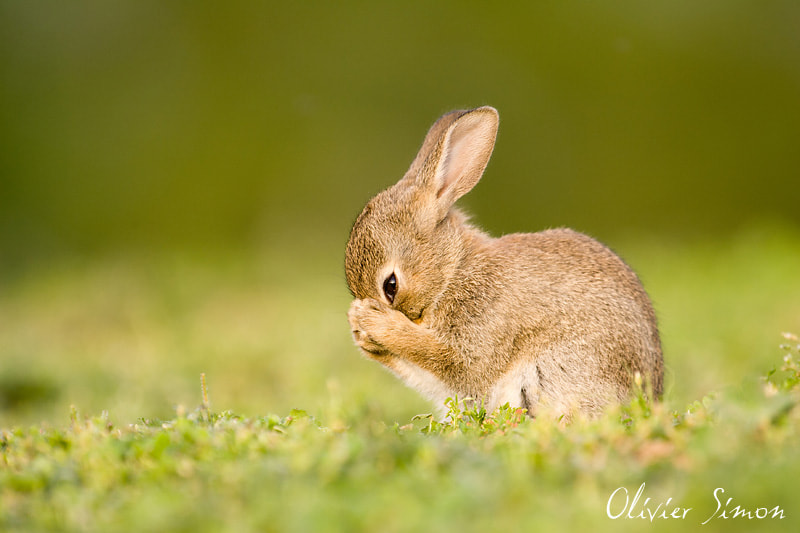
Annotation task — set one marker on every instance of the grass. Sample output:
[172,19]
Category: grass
[128,338]
[501,471]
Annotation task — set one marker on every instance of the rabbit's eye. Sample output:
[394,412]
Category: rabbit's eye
[390,287]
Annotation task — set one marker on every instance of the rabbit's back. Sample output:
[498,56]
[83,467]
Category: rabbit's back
[554,307]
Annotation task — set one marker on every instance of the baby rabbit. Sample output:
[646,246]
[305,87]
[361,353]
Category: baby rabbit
[551,321]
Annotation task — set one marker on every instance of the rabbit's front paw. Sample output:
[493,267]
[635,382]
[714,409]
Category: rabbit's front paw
[372,324]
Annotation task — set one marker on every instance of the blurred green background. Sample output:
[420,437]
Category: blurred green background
[177,181]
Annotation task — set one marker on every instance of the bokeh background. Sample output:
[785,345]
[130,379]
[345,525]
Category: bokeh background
[177,182]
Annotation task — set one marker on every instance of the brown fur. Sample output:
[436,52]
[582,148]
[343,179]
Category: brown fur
[551,320]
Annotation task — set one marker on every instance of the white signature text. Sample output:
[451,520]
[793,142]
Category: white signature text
[622,505]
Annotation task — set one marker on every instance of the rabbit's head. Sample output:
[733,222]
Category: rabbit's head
[406,243]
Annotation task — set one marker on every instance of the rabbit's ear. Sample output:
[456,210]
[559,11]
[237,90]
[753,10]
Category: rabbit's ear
[460,155]
[431,142]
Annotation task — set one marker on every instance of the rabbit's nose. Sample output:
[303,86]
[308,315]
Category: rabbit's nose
[415,315]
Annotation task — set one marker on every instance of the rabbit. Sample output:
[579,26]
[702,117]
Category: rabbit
[551,321]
